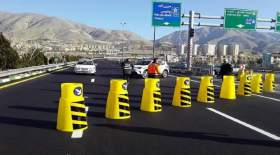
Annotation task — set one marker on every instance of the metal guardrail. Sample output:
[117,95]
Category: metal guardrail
[16,74]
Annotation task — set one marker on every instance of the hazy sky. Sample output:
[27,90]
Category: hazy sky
[137,13]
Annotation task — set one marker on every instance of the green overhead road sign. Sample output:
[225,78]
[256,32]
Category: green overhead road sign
[277,24]
[240,19]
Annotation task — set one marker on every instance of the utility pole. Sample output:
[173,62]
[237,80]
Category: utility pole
[190,40]
[123,23]
[154,42]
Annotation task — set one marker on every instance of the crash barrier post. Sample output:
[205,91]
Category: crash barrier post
[71,110]
[257,83]
[182,93]
[269,83]
[228,88]
[151,97]
[244,87]
[117,106]
[206,90]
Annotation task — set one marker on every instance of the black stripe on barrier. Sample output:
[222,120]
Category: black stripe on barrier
[186,93]
[184,103]
[157,95]
[157,108]
[79,126]
[124,100]
[210,90]
[157,102]
[125,94]
[123,107]
[210,99]
[248,89]
[79,118]
[185,98]
[122,114]
[78,109]
[210,95]
[247,85]
[247,93]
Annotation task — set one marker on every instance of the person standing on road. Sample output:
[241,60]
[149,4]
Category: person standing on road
[127,67]
[226,69]
[153,69]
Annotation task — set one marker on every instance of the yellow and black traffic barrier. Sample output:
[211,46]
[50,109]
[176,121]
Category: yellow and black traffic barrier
[228,88]
[117,106]
[257,83]
[206,90]
[182,93]
[71,110]
[244,87]
[151,98]
[269,82]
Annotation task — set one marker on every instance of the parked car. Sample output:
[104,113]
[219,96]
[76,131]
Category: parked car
[141,68]
[85,66]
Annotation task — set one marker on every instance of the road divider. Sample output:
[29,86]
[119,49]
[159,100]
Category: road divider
[206,90]
[257,83]
[269,83]
[72,115]
[228,88]
[117,106]
[244,87]
[151,96]
[182,93]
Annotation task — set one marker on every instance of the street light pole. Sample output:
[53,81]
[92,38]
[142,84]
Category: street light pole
[123,23]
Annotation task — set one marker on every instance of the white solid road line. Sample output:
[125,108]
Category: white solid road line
[274,99]
[273,136]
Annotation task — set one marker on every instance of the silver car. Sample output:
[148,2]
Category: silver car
[85,67]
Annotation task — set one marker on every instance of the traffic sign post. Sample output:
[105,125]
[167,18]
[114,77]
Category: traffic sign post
[240,19]
[166,14]
[277,24]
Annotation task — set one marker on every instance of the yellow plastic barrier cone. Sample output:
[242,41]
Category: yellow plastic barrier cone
[206,90]
[182,93]
[244,87]
[71,110]
[257,84]
[228,88]
[151,98]
[269,83]
[117,106]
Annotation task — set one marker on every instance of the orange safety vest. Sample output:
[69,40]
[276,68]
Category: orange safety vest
[153,69]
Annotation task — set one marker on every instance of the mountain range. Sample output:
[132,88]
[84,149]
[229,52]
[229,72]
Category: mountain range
[248,40]
[30,26]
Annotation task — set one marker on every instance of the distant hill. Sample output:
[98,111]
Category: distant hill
[248,40]
[29,26]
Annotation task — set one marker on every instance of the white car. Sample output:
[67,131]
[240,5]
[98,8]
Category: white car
[141,68]
[85,67]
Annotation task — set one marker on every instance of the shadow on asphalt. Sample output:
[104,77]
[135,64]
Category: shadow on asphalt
[54,110]
[192,135]
[42,124]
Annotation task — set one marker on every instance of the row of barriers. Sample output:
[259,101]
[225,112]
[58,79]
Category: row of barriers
[72,110]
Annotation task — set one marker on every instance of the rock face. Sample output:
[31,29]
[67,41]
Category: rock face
[28,26]
[248,40]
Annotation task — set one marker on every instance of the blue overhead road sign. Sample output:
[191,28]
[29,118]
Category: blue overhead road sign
[166,14]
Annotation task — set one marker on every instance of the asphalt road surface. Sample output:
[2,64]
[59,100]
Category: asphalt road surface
[248,125]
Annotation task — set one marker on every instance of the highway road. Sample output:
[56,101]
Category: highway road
[248,125]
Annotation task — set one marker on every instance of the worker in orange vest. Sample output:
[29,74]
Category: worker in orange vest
[153,69]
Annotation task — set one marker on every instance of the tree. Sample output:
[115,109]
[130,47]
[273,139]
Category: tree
[33,58]
[8,56]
